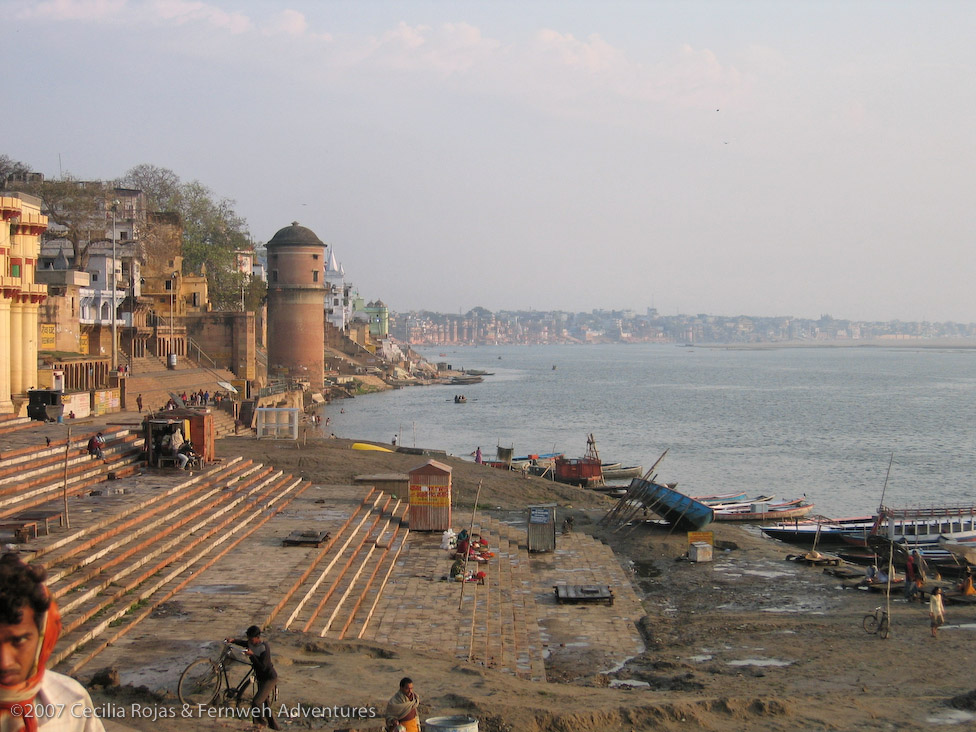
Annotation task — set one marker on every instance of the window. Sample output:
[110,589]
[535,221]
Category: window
[274,275]
[315,256]
[196,299]
[315,275]
[15,270]
[168,285]
[94,277]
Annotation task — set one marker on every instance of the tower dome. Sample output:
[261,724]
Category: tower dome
[295,235]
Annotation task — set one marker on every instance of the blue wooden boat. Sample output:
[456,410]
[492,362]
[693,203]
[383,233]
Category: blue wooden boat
[684,512]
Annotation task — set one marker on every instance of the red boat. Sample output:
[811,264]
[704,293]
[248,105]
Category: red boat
[587,470]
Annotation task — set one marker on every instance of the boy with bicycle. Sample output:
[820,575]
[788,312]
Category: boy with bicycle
[259,652]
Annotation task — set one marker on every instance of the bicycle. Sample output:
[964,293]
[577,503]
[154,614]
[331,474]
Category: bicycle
[206,683]
[877,622]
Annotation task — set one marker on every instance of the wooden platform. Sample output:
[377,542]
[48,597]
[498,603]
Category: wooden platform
[583,594]
[306,538]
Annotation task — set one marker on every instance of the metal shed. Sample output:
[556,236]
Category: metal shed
[541,528]
[430,497]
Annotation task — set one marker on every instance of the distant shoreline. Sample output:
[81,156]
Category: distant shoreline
[917,343]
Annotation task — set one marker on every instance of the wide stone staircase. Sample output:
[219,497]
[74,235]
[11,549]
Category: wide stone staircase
[494,624]
[336,593]
[37,482]
[150,377]
[132,551]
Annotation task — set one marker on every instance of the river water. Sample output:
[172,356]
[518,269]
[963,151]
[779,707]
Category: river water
[819,422]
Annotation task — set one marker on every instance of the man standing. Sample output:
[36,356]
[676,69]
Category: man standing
[29,628]
[259,652]
[403,708]
[139,403]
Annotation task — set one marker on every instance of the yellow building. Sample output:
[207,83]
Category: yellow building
[20,295]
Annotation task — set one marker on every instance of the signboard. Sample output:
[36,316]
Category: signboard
[49,337]
[105,401]
[539,515]
[435,496]
[83,343]
[706,537]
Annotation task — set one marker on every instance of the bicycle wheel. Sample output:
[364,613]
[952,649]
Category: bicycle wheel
[884,627]
[870,623]
[240,696]
[199,683]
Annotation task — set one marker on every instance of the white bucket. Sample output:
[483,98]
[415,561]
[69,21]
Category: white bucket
[456,723]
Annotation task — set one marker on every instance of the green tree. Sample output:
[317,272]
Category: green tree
[212,229]
[76,211]
[8,167]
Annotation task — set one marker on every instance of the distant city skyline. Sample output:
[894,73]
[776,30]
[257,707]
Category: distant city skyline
[730,157]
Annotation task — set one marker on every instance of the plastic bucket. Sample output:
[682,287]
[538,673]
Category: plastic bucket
[456,723]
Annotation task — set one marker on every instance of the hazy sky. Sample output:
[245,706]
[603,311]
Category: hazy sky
[761,158]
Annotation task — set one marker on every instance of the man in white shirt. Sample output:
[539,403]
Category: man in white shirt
[29,628]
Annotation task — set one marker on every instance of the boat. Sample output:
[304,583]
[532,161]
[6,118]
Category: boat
[721,497]
[919,527]
[963,550]
[623,473]
[460,399]
[742,502]
[368,447]
[765,511]
[682,511]
[478,372]
[820,530]
[586,470]
[464,380]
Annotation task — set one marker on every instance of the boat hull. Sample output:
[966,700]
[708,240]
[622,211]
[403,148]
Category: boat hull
[772,513]
[682,511]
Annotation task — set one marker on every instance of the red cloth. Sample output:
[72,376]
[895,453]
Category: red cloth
[24,693]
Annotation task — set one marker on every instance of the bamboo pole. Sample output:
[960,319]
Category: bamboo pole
[464,575]
[65,522]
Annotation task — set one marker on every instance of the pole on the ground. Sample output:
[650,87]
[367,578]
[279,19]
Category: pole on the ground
[464,572]
[67,447]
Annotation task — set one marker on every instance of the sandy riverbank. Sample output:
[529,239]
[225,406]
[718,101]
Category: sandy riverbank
[748,642]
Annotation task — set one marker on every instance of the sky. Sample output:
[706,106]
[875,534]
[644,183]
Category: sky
[782,158]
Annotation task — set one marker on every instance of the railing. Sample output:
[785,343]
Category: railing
[201,354]
[280,387]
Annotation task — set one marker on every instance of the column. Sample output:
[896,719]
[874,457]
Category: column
[17,385]
[6,405]
[29,351]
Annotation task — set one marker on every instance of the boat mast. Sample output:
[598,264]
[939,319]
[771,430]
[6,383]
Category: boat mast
[881,506]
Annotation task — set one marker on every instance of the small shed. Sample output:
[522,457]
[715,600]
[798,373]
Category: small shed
[196,426]
[430,497]
[542,528]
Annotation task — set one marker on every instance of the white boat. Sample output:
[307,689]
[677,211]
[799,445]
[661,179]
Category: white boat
[920,527]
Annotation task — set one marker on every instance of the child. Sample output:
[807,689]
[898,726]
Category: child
[936,611]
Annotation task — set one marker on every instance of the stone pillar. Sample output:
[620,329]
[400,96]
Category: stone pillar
[6,406]
[29,350]
[17,385]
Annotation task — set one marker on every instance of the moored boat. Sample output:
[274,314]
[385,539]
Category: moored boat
[919,527]
[765,511]
[682,511]
[634,471]
[822,530]
[587,470]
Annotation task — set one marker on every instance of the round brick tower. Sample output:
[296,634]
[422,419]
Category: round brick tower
[296,305]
